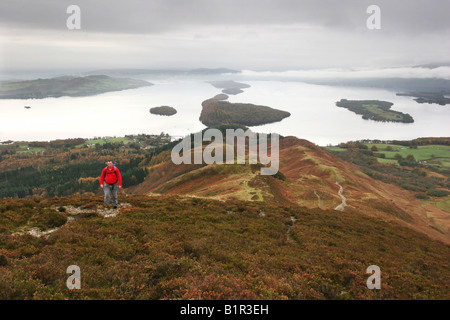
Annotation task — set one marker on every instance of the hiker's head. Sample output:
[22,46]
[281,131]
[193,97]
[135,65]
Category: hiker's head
[109,164]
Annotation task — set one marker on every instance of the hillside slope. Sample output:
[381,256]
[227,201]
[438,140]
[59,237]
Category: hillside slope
[308,177]
[189,248]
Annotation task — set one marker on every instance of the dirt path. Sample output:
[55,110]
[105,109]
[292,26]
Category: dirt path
[342,206]
[320,203]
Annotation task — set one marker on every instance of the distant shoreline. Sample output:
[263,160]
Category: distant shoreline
[69,86]
[427,97]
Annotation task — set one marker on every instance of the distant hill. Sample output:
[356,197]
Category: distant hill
[393,84]
[66,86]
[159,72]
[424,97]
[433,65]
[216,112]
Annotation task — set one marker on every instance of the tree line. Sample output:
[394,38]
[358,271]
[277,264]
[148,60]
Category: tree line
[64,179]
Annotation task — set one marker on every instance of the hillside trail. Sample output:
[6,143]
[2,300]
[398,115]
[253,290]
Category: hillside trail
[290,225]
[343,204]
[320,202]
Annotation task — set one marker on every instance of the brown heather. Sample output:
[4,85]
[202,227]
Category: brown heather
[191,248]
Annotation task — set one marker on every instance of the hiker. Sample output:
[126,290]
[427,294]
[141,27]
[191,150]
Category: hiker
[112,182]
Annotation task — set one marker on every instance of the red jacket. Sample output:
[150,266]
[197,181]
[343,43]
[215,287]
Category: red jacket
[111,176]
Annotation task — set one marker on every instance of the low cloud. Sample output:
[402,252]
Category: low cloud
[155,16]
[406,73]
[250,34]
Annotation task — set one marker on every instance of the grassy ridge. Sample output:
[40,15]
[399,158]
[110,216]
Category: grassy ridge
[190,248]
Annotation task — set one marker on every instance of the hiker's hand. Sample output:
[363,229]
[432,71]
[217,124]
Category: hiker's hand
[101,186]
[120,187]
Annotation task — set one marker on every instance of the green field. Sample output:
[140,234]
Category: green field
[437,155]
[103,141]
[391,161]
[335,149]
[385,114]
[25,149]
[442,203]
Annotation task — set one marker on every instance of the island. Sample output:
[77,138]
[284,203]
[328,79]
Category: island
[375,110]
[221,96]
[163,111]
[230,86]
[216,112]
[427,97]
[232,91]
[71,86]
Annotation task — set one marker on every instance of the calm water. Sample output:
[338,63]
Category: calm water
[314,115]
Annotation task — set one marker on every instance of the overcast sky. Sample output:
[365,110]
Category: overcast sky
[260,35]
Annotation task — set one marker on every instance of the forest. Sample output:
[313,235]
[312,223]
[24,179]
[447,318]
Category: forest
[216,112]
[73,166]
[64,179]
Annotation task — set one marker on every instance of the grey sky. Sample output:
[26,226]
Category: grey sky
[245,34]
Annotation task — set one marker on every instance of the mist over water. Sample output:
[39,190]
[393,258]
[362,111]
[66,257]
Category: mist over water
[314,115]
